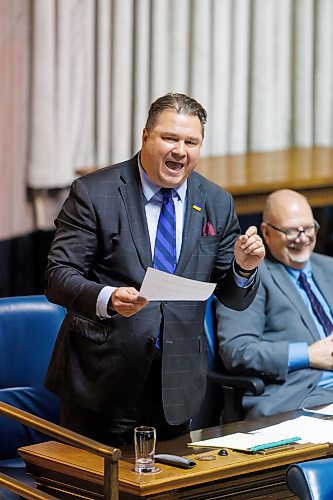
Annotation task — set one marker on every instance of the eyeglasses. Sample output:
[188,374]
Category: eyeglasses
[293,233]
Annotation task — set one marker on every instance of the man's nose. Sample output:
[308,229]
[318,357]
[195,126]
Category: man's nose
[179,148]
[302,236]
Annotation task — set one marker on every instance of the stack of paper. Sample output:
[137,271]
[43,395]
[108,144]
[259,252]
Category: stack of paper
[326,410]
[301,430]
[310,429]
[245,442]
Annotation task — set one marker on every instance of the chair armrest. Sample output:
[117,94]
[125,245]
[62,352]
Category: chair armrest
[22,489]
[110,455]
[252,384]
[312,479]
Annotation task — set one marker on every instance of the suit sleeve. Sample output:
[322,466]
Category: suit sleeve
[72,254]
[247,346]
[227,291]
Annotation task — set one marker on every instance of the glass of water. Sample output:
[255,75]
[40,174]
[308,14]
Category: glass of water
[144,443]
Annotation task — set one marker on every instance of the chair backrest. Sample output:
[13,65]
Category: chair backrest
[311,480]
[209,413]
[223,400]
[210,329]
[28,329]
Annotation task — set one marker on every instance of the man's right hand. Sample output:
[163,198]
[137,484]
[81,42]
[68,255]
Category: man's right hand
[126,301]
[321,354]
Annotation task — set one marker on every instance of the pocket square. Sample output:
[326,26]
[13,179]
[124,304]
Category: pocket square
[208,230]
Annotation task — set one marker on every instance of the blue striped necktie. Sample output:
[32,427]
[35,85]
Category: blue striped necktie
[317,308]
[165,258]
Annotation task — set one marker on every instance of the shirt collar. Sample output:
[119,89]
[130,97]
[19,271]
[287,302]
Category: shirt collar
[307,270]
[149,188]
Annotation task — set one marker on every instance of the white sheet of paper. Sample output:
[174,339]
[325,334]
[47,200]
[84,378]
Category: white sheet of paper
[158,285]
[237,441]
[310,429]
[327,410]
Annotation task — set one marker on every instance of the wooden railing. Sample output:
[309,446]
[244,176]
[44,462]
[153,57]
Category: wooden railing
[22,489]
[110,455]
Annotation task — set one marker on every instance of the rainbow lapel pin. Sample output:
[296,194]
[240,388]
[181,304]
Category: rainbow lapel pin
[197,207]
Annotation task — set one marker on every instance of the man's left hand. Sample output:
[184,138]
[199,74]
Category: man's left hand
[249,249]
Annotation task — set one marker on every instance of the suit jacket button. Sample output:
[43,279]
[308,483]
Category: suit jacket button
[151,345]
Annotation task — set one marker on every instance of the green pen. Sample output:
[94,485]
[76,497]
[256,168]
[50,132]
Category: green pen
[274,444]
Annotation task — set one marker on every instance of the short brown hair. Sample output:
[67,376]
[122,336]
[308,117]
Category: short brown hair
[181,103]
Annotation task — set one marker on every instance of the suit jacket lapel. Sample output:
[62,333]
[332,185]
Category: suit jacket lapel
[132,195]
[323,281]
[283,281]
[193,222]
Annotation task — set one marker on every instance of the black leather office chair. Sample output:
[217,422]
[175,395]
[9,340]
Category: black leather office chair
[223,400]
[28,328]
[311,480]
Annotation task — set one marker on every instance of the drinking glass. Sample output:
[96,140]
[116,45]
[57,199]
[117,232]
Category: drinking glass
[144,443]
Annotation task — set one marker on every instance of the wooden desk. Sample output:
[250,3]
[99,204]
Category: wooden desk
[68,473]
[251,177]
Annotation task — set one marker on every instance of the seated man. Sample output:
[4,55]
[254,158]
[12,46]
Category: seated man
[285,336]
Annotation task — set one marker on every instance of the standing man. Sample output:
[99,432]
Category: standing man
[285,336]
[120,361]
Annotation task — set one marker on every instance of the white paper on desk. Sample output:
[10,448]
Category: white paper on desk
[158,285]
[237,441]
[327,410]
[309,429]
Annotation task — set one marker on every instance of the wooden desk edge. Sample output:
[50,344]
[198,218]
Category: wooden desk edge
[171,477]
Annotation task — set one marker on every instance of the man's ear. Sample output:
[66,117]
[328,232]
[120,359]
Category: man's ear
[264,230]
[144,135]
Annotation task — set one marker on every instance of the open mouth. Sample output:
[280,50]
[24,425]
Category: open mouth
[174,165]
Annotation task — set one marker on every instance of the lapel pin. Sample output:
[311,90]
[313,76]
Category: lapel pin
[197,207]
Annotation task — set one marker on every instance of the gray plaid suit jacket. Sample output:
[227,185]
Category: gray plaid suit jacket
[102,239]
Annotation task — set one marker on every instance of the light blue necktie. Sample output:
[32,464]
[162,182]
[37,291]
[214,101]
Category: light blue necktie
[165,257]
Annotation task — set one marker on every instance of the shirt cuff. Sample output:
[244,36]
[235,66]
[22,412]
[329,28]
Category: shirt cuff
[241,281]
[326,380]
[298,356]
[102,302]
